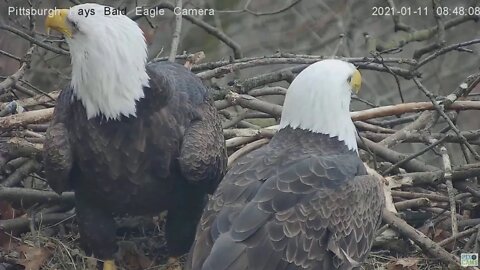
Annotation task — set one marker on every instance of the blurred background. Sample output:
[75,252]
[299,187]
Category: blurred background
[298,28]
[263,27]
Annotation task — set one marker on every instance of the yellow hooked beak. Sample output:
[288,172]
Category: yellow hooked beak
[58,21]
[356,81]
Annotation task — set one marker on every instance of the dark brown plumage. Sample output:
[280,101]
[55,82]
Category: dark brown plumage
[168,157]
[304,201]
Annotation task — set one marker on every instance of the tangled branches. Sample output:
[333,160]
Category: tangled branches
[429,163]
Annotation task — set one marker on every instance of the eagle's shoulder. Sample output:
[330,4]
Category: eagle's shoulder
[171,78]
[301,207]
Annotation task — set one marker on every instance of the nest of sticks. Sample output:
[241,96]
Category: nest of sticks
[432,212]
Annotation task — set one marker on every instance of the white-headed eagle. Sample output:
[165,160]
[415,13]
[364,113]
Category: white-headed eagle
[130,137]
[304,201]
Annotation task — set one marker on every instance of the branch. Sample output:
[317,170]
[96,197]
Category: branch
[447,166]
[444,50]
[20,173]
[394,156]
[237,52]
[33,40]
[399,136]
[245,150]
[442,113]
[424,34]
[31,117]
[12,79]
[400,109]
[250,102]
[30,196]
[176,33]
[398,24]
[419,238]
[22,223]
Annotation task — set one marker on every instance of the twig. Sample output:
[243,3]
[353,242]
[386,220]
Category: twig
[412,156]
[394,157]
[232,67]
[452,238]
[419,238]
[447,166]
[412,204]
[29,196]
[250,83]
[245,132]
[38,99]
[33,40]
[445,50]
[23,171]
[425,137]
[425,34]
[176,33]
[414,127]
[245,150]
[256,13]
[463,89]
[399,88]
[12,79]
[250,102]
[205,26]
[399,25]
[275,90]
[447,119]
[387,189]
[21,147]
[301,59]
[22,223]
[10,55]
[238,141]
[416,195]
[440,23]
[31,117]
[400,109]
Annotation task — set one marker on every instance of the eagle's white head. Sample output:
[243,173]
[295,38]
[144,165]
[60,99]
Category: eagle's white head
[108,55]
[319,100]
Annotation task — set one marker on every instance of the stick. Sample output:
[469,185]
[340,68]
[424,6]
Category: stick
[12,79]
[412,204]
[427,245]
[30,196]
[447,166]
[177,32]
[394,157]
[400,109]
[23,223]
[205,26]
[245,150]
[31,117]
[22,172]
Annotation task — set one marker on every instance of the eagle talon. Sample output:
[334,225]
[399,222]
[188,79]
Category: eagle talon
[109,265]
[173,263]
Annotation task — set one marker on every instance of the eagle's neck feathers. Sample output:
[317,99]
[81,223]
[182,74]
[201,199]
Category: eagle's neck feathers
[108,66]
[321,106]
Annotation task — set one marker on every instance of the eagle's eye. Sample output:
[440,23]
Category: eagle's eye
[349,79]
[73,24]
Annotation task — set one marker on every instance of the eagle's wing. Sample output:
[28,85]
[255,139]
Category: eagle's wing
[203,156]
[309,214]
[57,153]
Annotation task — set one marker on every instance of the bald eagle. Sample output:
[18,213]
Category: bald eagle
[304,201]
[130,137]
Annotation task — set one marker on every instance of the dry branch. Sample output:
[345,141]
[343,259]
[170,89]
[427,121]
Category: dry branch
[427,245]
[31,117]
[12,79]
